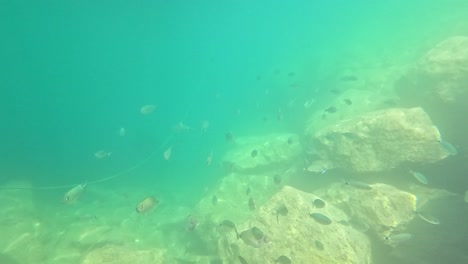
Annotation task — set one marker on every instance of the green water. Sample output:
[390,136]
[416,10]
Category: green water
[72,73]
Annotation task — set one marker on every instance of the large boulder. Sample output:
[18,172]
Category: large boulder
[263,153]
[381,140]
[441,76]
[381,208]
[297,235]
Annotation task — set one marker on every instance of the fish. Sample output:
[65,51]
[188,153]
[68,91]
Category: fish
[242,260]
[318,166]
[428,218]
[146,204]
[318,203]
[348,102]
[397,239]
[227,226]
[319,245]
[254,153]
[204,126]
[420,177]
[279,115]
[247,191]
[209,159]
[348,78]
[252,205]
[283,260]
[214,200]
[147,109]
[100,154]
[277,179]
[321,218]
[121,132]
[359,185]
[181,127]
[254,237]
[228,136]
[359,225]
[167,154]
[290,140]
[74,193]
[257,233]
[466,196]
[451,150]
[331,110]
[283,211]
[191,223]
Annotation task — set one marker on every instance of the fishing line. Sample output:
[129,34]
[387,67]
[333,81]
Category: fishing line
[118,174]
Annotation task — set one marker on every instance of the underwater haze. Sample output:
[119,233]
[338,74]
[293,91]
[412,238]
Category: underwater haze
[139,126]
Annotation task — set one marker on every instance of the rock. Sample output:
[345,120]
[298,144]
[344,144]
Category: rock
[295,234]
[122,255]
[380,140]
[383,208]
[271,151]
[441,76]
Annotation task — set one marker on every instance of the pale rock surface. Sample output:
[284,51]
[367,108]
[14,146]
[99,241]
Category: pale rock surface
[272,151]
[380,140]
[384,208]
[294,235]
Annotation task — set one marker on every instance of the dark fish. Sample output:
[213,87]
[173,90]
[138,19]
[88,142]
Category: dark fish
[291,74]
[257,233]
[359,225]
[331,109]
[290,140]
[227,226]
[242,260]
[319,245]
[252,205]
[254,153]
[335,91]
[146,204]
[348,78]
[283,211]
[321,218]
[214,200]
[283,260]
[277,179]
[348,102]
[254,237]
[318,203]
[191,223]
[229,137]
[247,191]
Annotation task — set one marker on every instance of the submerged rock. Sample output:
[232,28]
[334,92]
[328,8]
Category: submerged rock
[269,152]
[336,243]
[441,75]
[382,209]
[381,140]
[121,254]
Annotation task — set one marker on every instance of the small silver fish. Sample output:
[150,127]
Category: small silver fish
[359,185]
[420,177]
[451,150]
[147,109]
[428,218]
[74,193]
[146,204]
[400,238]
[252,205]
